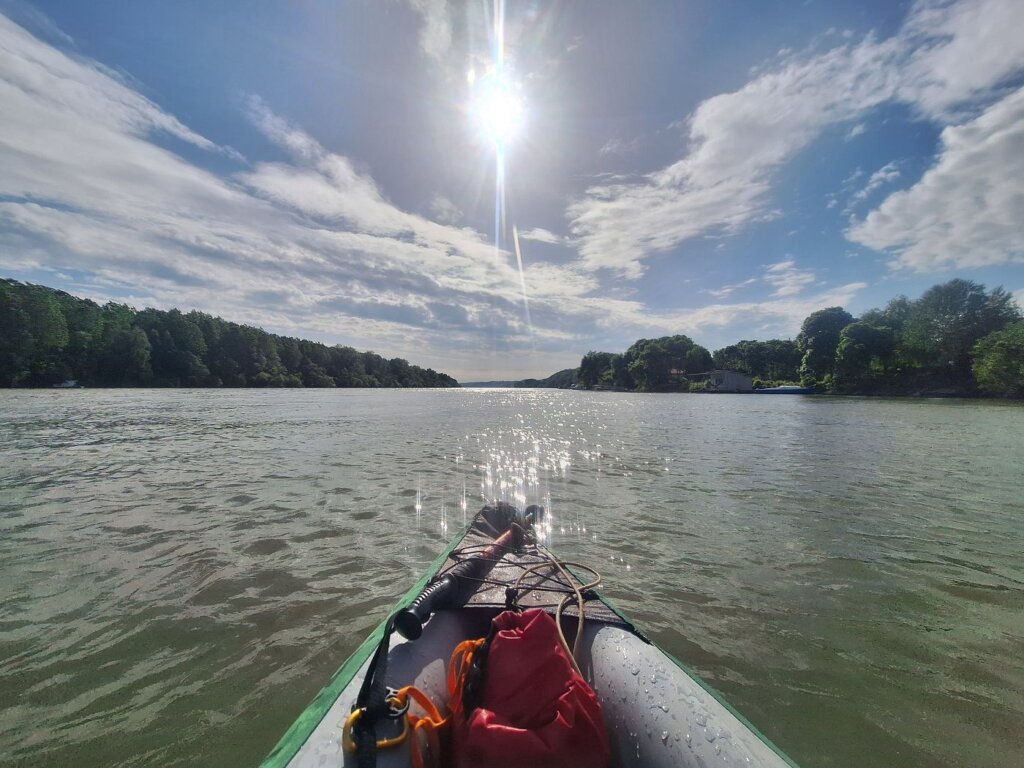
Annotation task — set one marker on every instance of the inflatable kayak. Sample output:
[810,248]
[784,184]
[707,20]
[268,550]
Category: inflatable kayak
[655,711]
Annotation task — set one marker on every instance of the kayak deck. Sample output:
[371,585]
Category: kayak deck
[657,713]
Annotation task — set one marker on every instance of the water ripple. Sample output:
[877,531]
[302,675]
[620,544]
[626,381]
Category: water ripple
[183,570]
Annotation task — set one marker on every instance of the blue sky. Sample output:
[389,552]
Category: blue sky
[318,168]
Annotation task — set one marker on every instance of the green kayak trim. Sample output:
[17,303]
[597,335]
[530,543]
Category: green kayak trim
[311,716]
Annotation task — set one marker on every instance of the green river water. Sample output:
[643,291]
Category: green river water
[182,570]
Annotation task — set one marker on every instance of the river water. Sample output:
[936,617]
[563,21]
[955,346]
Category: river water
[182,570]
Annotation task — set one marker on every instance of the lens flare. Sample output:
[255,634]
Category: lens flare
[498,111]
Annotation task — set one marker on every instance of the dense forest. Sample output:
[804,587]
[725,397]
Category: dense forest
[48,337]
[958,338]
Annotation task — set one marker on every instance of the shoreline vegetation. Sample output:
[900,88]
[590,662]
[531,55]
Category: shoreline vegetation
[957,339]
[51,338]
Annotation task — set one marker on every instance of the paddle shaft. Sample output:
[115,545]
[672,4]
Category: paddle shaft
[451,589]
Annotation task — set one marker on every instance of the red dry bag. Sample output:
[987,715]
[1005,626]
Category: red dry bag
[535,711]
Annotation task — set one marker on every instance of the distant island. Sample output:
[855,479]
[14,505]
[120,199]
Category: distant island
[51,338]
[957,339]
[563,379]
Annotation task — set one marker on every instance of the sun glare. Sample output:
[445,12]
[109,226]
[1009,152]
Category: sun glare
[498,111]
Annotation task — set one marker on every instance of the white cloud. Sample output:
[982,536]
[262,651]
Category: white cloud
[887,174]
[779,316]
[966,211]
[445,211]
[947,56]
[787,279]
[961,50]
[856,131]
[728,290]
[857,173]
[541,236]
[436,32]
[737,141]
[1018,296]
[784,277]
[620,146]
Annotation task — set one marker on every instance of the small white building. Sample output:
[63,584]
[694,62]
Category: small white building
[725,381]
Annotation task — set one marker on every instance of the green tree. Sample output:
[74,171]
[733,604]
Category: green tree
[943,326]
[127,359]
[48,335]
[345,366]
[863,349]
[660,364]
[47,332]
[772,360]
[595,367]
[15,340]
[84,320]
[818,340]
[620,374]
[999,361]
[178,348]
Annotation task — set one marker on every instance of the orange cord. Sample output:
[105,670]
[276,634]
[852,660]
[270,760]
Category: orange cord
[428,725]
[458,670]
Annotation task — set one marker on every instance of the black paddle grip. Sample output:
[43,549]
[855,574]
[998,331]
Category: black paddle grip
[409,621]
[446,592]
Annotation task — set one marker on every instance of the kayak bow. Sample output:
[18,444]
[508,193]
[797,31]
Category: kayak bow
[657,712]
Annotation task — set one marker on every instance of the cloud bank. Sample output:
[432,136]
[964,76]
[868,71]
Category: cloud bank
[102,184]
[306,244]
[947,59]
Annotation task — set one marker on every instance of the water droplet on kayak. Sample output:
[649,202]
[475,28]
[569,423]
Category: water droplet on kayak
[634,670]
[710,735]
[702,719]
[663,707]
[664,737]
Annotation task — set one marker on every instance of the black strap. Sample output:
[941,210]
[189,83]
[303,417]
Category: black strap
[372,698]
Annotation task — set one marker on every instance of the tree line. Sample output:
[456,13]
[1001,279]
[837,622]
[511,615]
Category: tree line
[48,337]
[957,338]
[649,365]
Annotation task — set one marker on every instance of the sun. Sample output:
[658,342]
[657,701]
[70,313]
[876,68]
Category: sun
[497,110]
